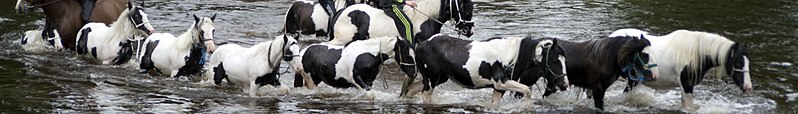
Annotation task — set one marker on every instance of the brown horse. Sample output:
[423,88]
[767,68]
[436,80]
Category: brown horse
[64,15]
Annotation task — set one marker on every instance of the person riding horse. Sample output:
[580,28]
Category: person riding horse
[393,8]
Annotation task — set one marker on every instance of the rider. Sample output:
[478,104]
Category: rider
[86,7]
[393,8]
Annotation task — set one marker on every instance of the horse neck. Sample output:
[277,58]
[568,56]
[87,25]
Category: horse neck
[188,38]
[122,28]
[270,51]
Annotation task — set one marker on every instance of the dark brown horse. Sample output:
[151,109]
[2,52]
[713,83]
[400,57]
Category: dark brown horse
[64,15]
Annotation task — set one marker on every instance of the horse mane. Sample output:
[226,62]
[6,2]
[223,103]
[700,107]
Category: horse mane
[123,25]
[270,49]
[691,48]
[192,33]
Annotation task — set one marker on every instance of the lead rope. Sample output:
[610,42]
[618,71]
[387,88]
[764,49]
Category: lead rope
[379,52]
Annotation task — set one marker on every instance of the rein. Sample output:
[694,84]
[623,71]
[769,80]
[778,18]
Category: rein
[45,4]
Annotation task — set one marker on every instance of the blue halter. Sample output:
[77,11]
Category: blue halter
[638,75]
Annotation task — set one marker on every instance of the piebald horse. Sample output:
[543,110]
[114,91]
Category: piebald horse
[684,57]
[64,15]
[596,64]
[490,63]
[308,17]
[112,45]
[34,42]
[179,56]
[253,67]
[361,21]
[355,65]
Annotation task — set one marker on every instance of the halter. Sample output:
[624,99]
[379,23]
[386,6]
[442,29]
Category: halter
[548,68]
[638,76]
[452,5]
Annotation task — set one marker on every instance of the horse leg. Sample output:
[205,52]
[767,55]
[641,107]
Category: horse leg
[497,96]
[253,89]
[298,80]
[514,86]
[598,97]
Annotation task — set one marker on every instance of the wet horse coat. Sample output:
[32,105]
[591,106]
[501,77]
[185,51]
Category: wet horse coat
[356,65]
[486,64]
[179,56]
[684,57]
[252,67]
[308,17]
[596,64]
[34,42]
[112,45]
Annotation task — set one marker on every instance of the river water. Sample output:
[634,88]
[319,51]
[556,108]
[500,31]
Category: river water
[59,82]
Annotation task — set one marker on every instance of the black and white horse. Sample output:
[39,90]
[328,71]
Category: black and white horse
[597,63]
[112,45]
[34,42]
[253,67]
[308,17]
[685,56]
[179,56]
[361,21]
[355,65]
[491,63]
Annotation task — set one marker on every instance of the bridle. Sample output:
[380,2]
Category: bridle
[453,4]
[43,4]
[548,69]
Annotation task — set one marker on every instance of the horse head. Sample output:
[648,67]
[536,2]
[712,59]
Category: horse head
[737,67]
[55,40]
[25,6]
[204,29]
[138,18]
[634,58]
[290,49]
[550,58]
[461,12]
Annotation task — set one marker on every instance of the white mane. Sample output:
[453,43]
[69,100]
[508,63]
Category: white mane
[121,28]
[690,47]
[192,33]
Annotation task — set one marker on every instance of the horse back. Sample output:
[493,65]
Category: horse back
[106,11]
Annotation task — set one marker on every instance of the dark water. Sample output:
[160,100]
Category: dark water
[59,82]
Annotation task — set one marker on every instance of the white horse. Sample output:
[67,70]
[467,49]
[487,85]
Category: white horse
[355,65]
[34,42]
[179,56]
[683,57]
[112,45]
[252,67]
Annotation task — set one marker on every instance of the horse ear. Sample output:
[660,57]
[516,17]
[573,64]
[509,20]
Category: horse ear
[196,19]
[213,17]
[141,4]
[285,37]
[129,5]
